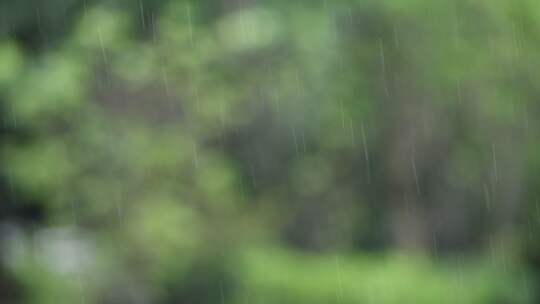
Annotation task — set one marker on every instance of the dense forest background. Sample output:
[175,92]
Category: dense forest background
[247,151]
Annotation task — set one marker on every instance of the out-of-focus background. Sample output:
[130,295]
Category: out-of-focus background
[271,152]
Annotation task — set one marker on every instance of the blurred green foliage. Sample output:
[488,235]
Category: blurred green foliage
[269,152]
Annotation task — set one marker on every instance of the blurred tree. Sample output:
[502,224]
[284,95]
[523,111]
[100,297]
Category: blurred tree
[149,146]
